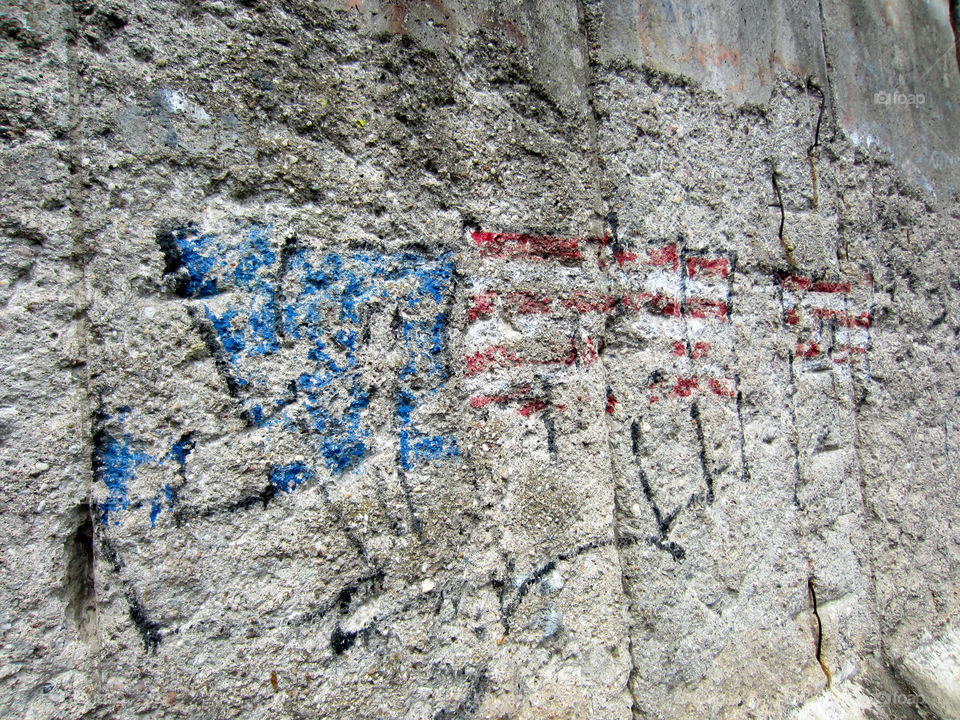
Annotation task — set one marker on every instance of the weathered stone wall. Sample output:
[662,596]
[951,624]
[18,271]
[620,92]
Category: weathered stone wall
[498,359]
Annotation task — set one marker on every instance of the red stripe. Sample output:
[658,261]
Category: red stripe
[704,308]
[830,287]
[482,306]
[533,247]
[526,303]
[844,319]
[499,356]
[709,267]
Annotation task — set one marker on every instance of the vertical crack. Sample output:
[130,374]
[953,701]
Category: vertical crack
[81,575]
[811,159]
[819,634]
[787,246]
[588,22]
[828,96]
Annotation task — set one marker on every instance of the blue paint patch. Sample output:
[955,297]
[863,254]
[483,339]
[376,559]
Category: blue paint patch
[116,463]
[342,436]
[231,337]
[413,445]
[156,507]
[327,304]
[199,260]
[247,265]
[288,477]
[116,460]
[181,449]
[435,280]
[339,292]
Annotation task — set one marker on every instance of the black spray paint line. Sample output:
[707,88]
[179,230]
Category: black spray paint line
[222,363]
[701,441]
[150,631]
[664,523]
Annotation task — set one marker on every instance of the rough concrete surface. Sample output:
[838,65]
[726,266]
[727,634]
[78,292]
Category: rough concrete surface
[526,359]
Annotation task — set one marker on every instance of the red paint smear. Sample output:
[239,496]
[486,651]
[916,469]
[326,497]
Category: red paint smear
[534,247]
[498,355]
[398,16]
[854,354]
[808,350]
[667,255]
[526,303]
[482,306]
[488,18]
[482,360]
[700,350]
[679,348]
[654,302]
[844,319]
[703,308]
[479,401]
[791,317]
[583,303]
[795,282]
[611,403]
[830,287]
[799,282]
[709,267]
[685,386]
[623,256]
[533,406]
[722,387]
[589,355]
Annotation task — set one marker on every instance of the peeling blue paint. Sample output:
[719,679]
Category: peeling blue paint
[196,256]
[338,293]
[288,477]
[116,463]
[180,450]
[255,297]
[213,264]
[156,504]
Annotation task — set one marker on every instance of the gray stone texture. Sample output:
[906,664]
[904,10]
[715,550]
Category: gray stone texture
[435,359]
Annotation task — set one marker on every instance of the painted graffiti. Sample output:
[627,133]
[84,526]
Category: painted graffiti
[264,307]
[831,319]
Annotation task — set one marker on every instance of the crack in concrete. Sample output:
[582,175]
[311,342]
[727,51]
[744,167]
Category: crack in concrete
[819,637]
[811,85]
[787,246]
[80,257]
[829,96]
[588,25]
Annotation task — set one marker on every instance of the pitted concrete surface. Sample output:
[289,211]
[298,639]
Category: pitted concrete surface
[478,360]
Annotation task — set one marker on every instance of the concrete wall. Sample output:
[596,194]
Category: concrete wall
[506,360]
